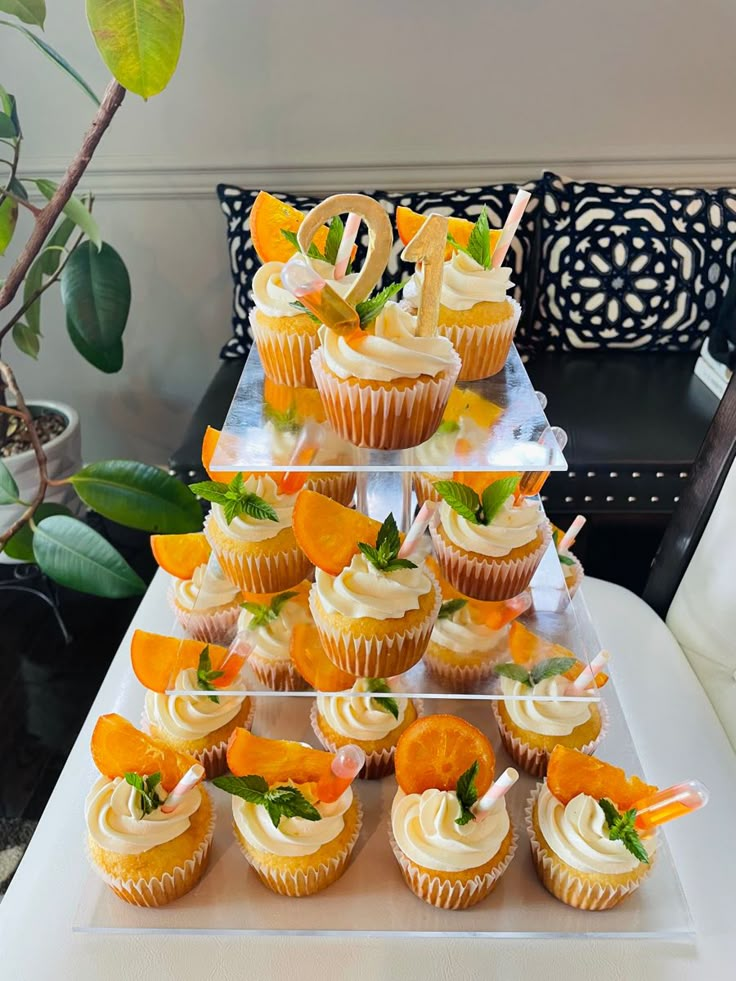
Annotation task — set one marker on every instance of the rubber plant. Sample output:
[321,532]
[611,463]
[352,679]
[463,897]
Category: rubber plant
[139,41]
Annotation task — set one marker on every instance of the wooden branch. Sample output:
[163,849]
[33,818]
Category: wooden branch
[114,94]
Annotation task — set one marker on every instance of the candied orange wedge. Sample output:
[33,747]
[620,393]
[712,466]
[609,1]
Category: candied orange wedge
[466,404]
[303,403]
[570,772]
[328,533]
[409,222]
[118,748]
[158,659]
[268,217]
[180,555]
[209,445]
[280,759]
[527,647]
[480,479]
[312,663]
[600,679]
[436,750]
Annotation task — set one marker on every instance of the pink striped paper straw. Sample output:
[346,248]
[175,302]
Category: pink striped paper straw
[426,515]
[348,762]
[190,780]
[240,646]
[568,539]
[346,245]
[587,675]
[509,229]
[495,792]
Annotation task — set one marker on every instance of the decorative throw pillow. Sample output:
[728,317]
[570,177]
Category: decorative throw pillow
[236,203]
[639,268]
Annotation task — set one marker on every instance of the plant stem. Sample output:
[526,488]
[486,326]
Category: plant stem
[22,202]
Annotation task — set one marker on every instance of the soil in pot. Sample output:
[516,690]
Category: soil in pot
[48,424]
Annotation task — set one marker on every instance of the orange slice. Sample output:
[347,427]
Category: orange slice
[480,479]
[466,404]
[409,222]
[306,402]
[328,533]
[268,217]
[119,748]
[437,749]
[528,648]
[158,659]
[301,590]
[180,555]
[313,664]
[570,773]
[209,445]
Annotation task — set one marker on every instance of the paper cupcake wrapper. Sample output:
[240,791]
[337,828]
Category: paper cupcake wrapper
[562,882]
[299,883]
[160,890]
[484,349]
[579,574]
[373,656]
[439,891]
[384,418]
[277,675]
[217,627]
[339,486]
[534,760]
[285,356]
[459,677]
[259,573]
[487,578]
[424,488]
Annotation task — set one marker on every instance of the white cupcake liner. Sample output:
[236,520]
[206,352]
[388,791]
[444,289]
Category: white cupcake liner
[485,578]
[300,883]
[216,627]
[460,677]
[561,881]
[373,656]
[339,486]
[384,418]
[285,356]
[160,890]
[424,488]
[279,675]
[534,760]
[483,349]
[441,892]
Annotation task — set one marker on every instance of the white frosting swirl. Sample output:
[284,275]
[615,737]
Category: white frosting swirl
[206,590]
[189,717]
[545,718]
[387,351]
[577,833]
[465,632]
[115,820]
[359,718]
[272,299]
[361,590]
[425,829]
[464,283]
[294,837]
[513,527]
[271,641]
[247,529]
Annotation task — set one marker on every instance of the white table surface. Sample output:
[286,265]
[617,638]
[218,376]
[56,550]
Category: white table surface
[677,735]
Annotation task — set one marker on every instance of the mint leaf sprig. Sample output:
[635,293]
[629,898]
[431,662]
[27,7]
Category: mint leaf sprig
[450,607]
[477,510]
[447,426]
[385,556]
[280,802]
[564,559]
[264,613]
[335,233]
[286,421]
[206,676]
[389,705]
[548,668]
[234,499]
[146,786]
[467,793]
[479,243]
[621,828]
[369,309]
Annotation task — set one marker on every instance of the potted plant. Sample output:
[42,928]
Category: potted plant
[42,483]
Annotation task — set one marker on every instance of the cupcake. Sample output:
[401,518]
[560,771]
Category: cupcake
[572,567]
[384,387]
[374,720]
[295,822]
[585,844]
[283,439]
[148,853]
[207,605]
[249,529]
[463,648]
[451,843]
[489,545]
[476,315]
[267,628]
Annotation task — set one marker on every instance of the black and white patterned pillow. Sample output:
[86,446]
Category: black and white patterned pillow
[236,203]
[639,268]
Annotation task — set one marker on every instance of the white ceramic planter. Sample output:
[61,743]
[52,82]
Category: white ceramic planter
[64,456]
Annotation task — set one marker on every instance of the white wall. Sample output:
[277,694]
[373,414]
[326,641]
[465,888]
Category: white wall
[347,93]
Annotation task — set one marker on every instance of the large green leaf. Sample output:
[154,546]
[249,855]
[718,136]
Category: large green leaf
[20,546]
[139,40]
[139,496]
[31,285]
[51,255]
[95,291]
[74,209]
[9,107]
[27,340]
[107,359]
[8,486]
[29,11]
[78,557]
[7,127]
[8,219]
[54,55]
